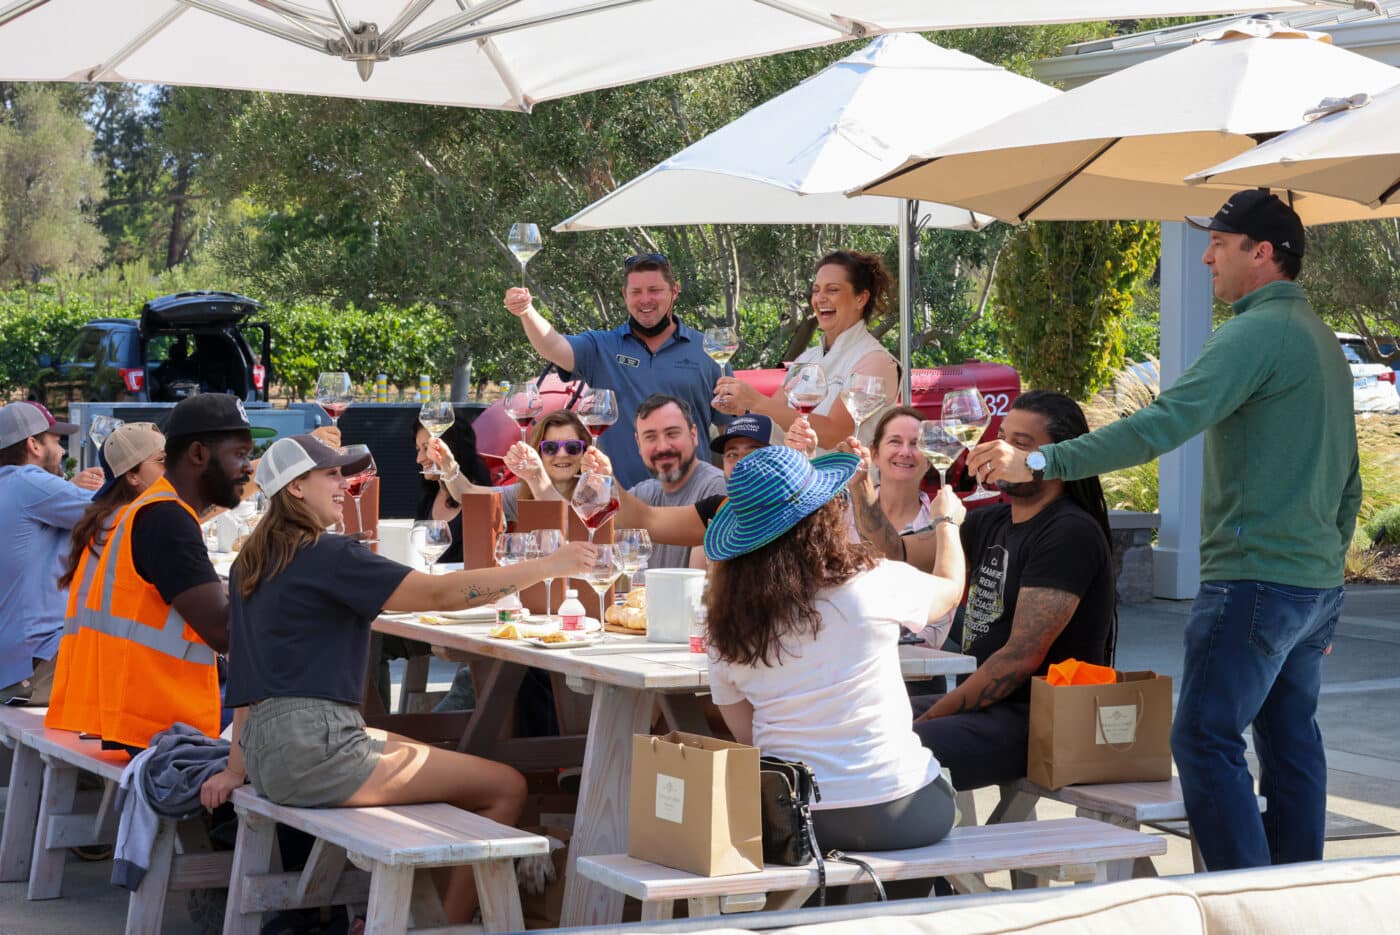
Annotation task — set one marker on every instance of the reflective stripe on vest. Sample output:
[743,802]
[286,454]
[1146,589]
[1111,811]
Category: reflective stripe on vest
[81,615]
[169,640]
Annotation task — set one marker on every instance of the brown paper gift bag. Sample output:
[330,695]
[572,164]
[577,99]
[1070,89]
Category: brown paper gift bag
[1118,732]
[694,804]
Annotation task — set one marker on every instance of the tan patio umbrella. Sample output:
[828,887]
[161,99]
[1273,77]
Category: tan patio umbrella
[1350,148]
[1120,147]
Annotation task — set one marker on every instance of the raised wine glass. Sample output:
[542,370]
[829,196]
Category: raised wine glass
[523,404]
[966,414]
[598,410]
[524,241]
[102,427]
[334,392]
[356,485]
[939,445]
[863,396]
[595,500]
[805,387]
[431,538]
[721,343]
[547,542]
[633,548]
[436,417]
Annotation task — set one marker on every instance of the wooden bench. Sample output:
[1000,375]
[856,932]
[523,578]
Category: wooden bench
[961,857]
[387,844]
[1123,804]
[22,793]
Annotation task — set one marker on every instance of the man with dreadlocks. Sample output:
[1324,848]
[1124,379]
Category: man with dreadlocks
[1040,590]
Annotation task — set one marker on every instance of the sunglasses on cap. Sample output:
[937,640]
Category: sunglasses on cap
[632,261]
[573,448]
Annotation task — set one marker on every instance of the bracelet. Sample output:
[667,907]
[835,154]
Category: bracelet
[939,520]
[456,473]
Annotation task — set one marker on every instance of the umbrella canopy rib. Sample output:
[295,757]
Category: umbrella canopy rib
[1055,189]
[104,71]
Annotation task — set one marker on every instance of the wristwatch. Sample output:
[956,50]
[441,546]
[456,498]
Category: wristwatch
[1036,462]
[940,520]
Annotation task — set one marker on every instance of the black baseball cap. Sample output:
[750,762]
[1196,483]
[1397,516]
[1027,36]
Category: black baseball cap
[748,425]
[211,412]
[1259,215]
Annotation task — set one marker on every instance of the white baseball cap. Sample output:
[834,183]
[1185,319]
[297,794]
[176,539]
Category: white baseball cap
[291,457]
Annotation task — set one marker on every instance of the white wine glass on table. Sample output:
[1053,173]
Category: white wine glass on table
[633,548]
[863,396]
[721,343]
[523,404]
[431,538]
[524,241]
[604,571]
[595,500]
[356,485]
[939,445]
[598,410]
[547,542]
[334,393]
[436,416]
[966,414]
[805,387]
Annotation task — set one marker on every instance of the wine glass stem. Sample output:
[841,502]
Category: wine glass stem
[590,534]
[548,600]
[944,474]
[359,520]
[522,275]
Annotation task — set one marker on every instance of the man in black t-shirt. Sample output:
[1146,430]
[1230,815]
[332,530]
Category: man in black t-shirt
[1040,590]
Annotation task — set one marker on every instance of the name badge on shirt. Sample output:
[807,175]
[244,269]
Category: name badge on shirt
[628,361]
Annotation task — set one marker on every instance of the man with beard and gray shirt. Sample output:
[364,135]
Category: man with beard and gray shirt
[667,439]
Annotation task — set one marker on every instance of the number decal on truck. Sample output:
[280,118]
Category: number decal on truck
[997,403]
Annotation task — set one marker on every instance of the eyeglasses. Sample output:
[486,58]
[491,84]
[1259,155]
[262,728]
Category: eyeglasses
[573,448]
[632,261]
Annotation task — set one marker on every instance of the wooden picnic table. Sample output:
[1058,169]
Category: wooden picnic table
[627,677]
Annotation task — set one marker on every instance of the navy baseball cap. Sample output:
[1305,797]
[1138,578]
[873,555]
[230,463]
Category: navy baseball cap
[748,425]
[209,413]
[1259,215]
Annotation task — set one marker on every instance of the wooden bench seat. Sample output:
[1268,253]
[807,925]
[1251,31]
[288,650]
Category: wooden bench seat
[388,844]
[960,857]
[22,792]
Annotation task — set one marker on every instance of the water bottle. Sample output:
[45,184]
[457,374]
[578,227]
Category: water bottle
[571,611]
[699,615]
[509,609]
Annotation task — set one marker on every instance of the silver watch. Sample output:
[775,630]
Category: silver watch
[1036,462]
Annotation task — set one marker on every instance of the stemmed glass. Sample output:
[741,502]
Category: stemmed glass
[721,343]
[633,548]
[863,396]
[334,392]
[356,484]
[102,427]
[547,542]
[939,445]
[805,387]
[523,404]
[431,538]
[603,572]
[598,410]
[436,417]
[966,415]
[595,500]
[524,241]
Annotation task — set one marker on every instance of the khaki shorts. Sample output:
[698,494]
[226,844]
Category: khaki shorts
[307,752]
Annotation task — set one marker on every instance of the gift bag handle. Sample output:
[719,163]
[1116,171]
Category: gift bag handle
[1098,717]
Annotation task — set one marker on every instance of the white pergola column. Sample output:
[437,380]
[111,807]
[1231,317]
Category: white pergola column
[1186,313]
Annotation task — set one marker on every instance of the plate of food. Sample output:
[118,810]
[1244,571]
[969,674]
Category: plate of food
[562,640]
[630,616]
[519,631]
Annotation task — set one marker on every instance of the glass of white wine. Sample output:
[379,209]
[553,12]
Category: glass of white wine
[939,445]
[604,571]
[431,538]
[967,417]
[863,396]
[524,241]
[721,343]
[436,417]
[547,542]
[633,549]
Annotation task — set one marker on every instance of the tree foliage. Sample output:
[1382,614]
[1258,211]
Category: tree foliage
[1352,276]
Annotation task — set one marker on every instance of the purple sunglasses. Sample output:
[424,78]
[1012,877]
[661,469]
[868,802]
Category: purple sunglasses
[573,448]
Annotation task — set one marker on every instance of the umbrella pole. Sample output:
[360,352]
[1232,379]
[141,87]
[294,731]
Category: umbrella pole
[908,275]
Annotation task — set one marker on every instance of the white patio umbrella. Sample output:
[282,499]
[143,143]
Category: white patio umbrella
[1350,149]
[790,160]
[477,53]
[1120,147]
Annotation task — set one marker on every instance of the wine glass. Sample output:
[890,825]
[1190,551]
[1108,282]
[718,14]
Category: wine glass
[805,387]
[633,548]
[966,415]
[431,538]
[334,392]
[595,500]
[939,445]
[523,404]
[863,396]
[598,410]
[357,483]
[721,343]
[436,417]
[547,542]
[101,428]
[524,241]
[604,571]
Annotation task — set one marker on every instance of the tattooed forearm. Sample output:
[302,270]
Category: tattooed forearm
[477,595]
[874,527]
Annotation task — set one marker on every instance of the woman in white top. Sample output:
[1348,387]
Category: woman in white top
[804,630]
[848,290]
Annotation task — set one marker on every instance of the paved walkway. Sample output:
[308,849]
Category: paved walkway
[1360,694]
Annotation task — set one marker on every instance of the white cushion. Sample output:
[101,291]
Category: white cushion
[1342,896]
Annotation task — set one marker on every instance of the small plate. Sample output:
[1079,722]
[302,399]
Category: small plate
[473,615]
[570,644]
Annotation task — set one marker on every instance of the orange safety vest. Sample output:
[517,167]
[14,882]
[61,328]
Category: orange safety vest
[128,665]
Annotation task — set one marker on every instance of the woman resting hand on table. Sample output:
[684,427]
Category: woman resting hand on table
[301,602]
[804,629]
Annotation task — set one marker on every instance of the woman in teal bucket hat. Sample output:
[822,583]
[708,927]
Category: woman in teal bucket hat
[804,629]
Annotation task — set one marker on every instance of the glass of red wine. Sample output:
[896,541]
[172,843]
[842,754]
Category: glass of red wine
[334,392]
[598,409]
[357,483]
[595,500]
[805,387]
[523,404]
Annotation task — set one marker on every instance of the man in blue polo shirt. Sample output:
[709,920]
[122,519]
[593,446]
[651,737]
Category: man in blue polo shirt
[652,352]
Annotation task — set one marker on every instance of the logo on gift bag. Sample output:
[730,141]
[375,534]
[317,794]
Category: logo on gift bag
[670,798]
[1116,724]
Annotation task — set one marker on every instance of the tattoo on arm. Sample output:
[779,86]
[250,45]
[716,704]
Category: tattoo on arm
[478,595]
[874,527]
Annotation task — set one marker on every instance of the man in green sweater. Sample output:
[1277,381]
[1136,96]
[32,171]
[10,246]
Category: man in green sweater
[1273,395]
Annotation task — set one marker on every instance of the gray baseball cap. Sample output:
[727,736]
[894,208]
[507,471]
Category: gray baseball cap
[22,420]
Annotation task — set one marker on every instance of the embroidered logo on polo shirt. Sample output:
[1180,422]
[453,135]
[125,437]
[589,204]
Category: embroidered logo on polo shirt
[628,361]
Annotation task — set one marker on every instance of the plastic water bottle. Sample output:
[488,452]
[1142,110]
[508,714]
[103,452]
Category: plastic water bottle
[509,609]
[571,611]
[699,615]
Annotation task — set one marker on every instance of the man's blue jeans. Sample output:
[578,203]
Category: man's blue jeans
[1254,656]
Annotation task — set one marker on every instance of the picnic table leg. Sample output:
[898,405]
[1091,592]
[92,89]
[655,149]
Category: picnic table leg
[698,907]
[683,712]
[60,793]
[658,910]
[1137,868]
[499,894]
[390,892]
[146,907]
[21,813]
[251,855]
[601,826]
[495,703]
